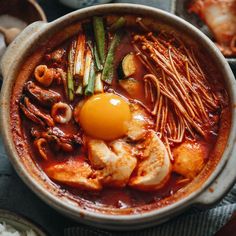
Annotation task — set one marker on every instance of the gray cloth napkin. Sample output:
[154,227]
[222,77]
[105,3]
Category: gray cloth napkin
[192,223]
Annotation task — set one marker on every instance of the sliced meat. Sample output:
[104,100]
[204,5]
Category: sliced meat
[189,158]
[34,114]
[72,138]
[114,165]
[44,97]
[30,115]
[58,139]
[75,173]
[139,124]
[47,119]
[153,171]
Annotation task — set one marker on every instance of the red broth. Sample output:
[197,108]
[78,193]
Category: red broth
[115,197]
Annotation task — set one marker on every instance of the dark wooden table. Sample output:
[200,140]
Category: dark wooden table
[14,194]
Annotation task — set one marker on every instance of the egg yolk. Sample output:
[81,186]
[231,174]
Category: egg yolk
[105,116]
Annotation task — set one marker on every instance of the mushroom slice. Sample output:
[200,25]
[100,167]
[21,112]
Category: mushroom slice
[154,169]
[114,165]
[75,173]
[139,123]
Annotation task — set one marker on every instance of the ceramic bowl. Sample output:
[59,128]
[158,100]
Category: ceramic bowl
[82,3]
[206,189]
[28,11]
[19,222]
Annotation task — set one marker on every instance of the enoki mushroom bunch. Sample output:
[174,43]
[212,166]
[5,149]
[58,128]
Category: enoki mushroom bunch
[180,93]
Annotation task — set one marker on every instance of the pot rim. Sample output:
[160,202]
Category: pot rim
[70,209]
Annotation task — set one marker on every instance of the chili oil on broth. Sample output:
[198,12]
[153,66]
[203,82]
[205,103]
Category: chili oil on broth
[120,198]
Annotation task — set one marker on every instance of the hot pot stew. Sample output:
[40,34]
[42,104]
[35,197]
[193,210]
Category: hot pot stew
[118,115]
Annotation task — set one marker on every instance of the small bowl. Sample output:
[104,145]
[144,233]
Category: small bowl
[26,10]
[180,8]
[82,3]
[20,223]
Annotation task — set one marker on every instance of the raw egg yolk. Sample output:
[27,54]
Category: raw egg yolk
[105,116]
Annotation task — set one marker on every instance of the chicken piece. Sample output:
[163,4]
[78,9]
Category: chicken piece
[114,165]
[75,173]
[57,139]
[30,115]
[189,158]
[44,97]
[34,114]
[220,17]
[154,169]
[139,124]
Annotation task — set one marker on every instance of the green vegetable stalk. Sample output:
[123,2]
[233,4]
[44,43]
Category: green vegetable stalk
[70,81]
[118,24]
[79,89]
[99,33]
[98,87]
[108,71]
[98,64]
[89,90]
[88,62]
[79,57]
